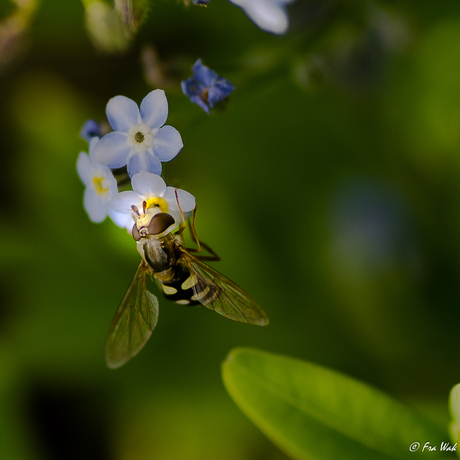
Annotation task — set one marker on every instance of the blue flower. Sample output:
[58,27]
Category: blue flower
[90,129]
[139,139]
[205,87]
[269,15]
[101,186]
[150,195]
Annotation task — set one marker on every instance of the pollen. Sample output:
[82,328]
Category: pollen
[157,202]
[100,185]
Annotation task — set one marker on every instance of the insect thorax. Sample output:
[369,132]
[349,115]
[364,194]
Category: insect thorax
[160,253]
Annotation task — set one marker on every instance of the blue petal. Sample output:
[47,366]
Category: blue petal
[147,184]
[112,150]
[219,91]
[90,129]
[143,162]
[201,102]
[167,143]
[192,87]
[122,113]
[203,74]
[154,109]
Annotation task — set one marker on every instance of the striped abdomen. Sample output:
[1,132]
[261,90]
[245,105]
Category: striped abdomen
[177,285]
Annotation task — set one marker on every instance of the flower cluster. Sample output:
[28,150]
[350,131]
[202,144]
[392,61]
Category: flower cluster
[134,143]
[136,147]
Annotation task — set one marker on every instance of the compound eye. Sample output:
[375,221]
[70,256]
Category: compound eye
[135,233]
[160,223]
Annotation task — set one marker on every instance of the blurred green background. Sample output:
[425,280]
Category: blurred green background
[330,188]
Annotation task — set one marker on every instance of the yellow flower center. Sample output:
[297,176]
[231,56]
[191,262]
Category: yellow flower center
[157,202]
[99,183]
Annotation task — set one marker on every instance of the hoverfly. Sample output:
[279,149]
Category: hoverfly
[182,277]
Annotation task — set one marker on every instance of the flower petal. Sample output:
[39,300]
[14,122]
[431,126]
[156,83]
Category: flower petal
[148,185]
[90,129]
[84,168]
[94,206]
[121,219]
[203,74]
[167,143]
[112,150]
[219,91]
[154,109]
[122,113]
[123,201]
[201,102]
[269,15]
[186,200]
[143,161]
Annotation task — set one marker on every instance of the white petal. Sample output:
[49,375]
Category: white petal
[92,143]
[148,185]
[186,200]
[154,109]
[123,201]
[95,206]
[122,113]
[111,183]
[167,143]
[121,219]
[84,168]
[269,15]
[112,150]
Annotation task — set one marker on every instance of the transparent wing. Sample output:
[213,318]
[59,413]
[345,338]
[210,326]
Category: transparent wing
[218,293]
[133,323]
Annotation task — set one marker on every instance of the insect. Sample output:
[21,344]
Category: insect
[182,277]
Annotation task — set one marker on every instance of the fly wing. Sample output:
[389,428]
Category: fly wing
[133,323]
[218,293]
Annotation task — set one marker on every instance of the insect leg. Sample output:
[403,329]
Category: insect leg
[213,256]
[184,225]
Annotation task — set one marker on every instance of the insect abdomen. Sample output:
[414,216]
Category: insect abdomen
[179,288]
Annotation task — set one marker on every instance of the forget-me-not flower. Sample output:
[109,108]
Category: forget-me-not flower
[205,87]
[90,129]
[139,139]
[269,15]
[151,189]
[100,184]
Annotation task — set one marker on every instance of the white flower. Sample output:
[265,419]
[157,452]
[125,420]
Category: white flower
[139,139]
[151,189]
[269,15]
[101,186]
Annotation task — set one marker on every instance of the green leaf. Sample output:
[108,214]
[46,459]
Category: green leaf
[312,412]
